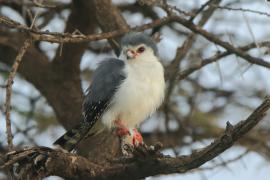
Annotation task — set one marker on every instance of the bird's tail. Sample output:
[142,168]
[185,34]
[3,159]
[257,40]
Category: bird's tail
[71,138]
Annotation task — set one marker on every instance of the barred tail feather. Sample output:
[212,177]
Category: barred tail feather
[71,138]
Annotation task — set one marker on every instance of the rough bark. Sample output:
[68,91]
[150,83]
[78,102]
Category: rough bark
[145,161]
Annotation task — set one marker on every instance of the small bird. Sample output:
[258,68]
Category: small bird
[123,93]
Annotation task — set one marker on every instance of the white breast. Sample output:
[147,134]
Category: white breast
[139,95]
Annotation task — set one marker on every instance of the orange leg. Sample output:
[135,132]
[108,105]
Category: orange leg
[122,130]
[136,137]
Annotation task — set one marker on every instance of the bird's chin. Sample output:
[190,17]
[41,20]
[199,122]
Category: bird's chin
[132,57]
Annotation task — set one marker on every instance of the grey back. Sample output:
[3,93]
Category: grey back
[106,79]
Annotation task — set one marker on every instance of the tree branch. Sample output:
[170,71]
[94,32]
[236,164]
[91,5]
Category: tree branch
[11,76]
[109,19]
[71,166]
[212,38]
[65,37]
[55,37]
[182,51]
[218,56]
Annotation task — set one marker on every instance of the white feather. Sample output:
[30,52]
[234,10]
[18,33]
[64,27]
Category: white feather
[140,94]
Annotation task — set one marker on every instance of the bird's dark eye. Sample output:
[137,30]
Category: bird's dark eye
[141,49]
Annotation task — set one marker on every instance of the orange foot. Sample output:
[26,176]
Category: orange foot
[136,137]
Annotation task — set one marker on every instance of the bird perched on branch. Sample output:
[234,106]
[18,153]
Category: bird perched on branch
[123,93]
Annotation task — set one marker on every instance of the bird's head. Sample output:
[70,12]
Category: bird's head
[136,46]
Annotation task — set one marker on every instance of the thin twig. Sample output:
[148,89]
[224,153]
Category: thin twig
[198,11]
[42,5]
[225,163]
[9,91]
[218,56]
[242,10]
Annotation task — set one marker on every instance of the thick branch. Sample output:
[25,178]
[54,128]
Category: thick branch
[66,94]
[36,69]
[109,19]
[75,167]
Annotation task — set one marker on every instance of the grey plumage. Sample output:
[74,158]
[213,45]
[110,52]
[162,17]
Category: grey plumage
[107,77]
[134,38]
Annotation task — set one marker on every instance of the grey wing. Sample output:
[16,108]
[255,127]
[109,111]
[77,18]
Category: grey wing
[106,79]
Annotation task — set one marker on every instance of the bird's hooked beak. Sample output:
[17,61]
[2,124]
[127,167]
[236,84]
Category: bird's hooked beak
[131,54]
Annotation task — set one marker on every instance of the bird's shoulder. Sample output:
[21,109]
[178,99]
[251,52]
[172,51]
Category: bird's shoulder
[109,65]
[106,78]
